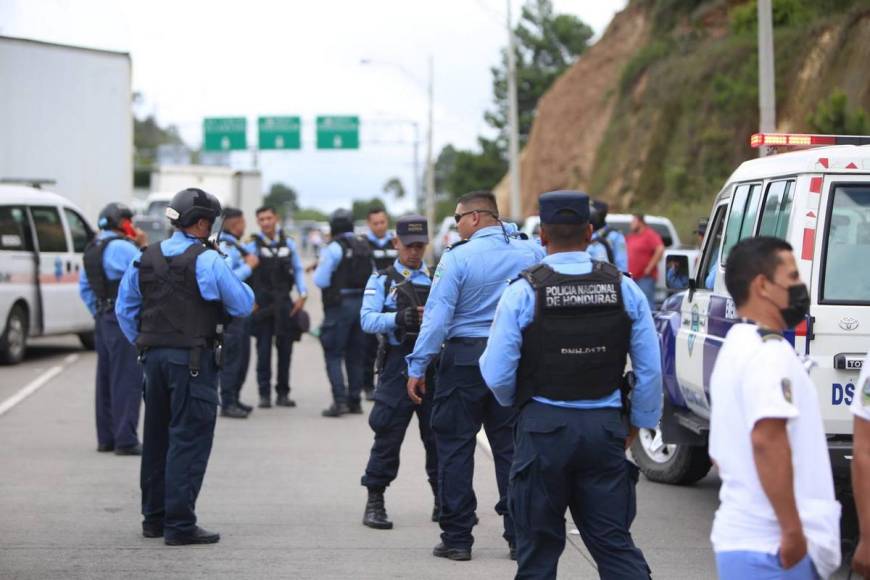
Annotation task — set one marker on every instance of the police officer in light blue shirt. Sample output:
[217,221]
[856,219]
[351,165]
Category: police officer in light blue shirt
[171,304]
[608,244]
[119,377]
[383,254]
[557,351]
[466,288]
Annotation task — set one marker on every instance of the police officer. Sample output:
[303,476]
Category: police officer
[466,287]
[279,269]
[237,332]
[557,352]
[607,244]
[119,378]
[171,304]
[392,309]
[384,254]
[342,274]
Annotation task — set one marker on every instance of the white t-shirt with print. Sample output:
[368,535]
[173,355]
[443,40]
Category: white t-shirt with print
[861,401]
[762,378]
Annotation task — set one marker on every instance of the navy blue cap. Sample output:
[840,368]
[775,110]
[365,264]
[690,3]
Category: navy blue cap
[564,207]
[412,229]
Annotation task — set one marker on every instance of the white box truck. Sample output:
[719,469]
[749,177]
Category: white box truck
[65,117]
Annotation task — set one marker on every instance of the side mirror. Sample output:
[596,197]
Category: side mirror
[677,272]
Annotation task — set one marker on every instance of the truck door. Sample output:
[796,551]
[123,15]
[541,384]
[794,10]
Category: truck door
[57,280]
[840,310]
[80,234]
[17,280]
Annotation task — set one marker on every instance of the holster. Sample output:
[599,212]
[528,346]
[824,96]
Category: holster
[384,347]
[625,389]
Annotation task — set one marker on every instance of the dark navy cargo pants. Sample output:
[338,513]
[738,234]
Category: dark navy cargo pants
[389,419]
[236,358]
[119,384]
[463,404]
[180,414]
[573,459]
[343,343]
[264,332]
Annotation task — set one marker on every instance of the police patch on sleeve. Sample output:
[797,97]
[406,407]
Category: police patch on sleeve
[865,392]
[786,389]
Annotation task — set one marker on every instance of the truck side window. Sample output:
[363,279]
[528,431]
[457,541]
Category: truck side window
[776,209]
[847,245]
[78,228]
[14,229]
[49,229]
[710,259]
[741,220]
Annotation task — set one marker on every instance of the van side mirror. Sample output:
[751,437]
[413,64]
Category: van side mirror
[677,272]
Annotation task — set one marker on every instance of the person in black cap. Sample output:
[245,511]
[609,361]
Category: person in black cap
[557,352]
[392,309]
[119,377]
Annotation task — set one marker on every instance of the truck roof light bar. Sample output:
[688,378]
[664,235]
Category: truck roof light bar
[804,140]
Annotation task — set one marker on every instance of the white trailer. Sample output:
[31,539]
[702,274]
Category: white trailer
[65,117]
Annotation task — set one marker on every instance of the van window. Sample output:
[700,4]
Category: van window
[49,229]
[78,228]
[847,245]
[709,261]
[14,229]
[777,209]
[741,220]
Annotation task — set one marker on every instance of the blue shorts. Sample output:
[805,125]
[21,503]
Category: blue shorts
[739,565]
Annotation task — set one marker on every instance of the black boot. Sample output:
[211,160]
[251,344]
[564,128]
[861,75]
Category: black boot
[336,410]
[376,515]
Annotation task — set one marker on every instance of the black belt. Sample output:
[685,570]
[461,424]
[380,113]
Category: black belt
[467,339]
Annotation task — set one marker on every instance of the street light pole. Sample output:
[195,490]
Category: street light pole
[513,122]
[430,165]
[766,72]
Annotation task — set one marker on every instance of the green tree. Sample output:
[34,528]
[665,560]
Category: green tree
[394,187]
[310,214]
[444,166]
[473,170]
[833,116]
[283,198]
[361,207]
[546,45]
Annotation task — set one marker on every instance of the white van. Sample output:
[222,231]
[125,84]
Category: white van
[42,238]
[818,200]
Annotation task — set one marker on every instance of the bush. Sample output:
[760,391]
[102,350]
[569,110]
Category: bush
[833,116]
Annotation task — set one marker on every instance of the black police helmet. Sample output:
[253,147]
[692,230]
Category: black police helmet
[598,215]
[112,215]
[340,222]
[190,205]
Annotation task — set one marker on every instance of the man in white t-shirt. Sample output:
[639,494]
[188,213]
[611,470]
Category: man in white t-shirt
[861,469]
[778,517]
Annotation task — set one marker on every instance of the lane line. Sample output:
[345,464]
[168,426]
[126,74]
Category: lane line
[36,384]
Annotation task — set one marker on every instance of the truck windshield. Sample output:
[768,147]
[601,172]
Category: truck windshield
[847,244]
[158,208]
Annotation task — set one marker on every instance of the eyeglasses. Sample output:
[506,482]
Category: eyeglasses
[457,217]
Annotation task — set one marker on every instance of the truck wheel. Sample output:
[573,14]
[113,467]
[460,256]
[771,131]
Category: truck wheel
[87,340]
[13,342]
[669,463]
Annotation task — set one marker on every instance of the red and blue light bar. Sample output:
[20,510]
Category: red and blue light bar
[805,140]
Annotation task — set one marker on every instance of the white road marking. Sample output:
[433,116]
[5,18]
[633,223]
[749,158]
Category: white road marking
[36,384]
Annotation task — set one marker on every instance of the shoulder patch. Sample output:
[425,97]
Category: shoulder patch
[769,335]
[865,392]
[786,389]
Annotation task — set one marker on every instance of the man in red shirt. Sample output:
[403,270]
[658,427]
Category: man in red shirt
[645,249]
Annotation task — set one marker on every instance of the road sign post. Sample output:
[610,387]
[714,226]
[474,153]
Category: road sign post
[224,134]
[338,132]
[277,133]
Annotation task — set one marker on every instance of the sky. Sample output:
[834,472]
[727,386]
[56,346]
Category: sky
[194,59]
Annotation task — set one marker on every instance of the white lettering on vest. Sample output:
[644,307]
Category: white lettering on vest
[567,296]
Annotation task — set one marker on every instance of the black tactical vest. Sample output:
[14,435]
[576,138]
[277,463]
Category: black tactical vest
[577,344]
[353,271]
[174,314]
[272,280]
[383,257]
[105,290]
[407,295]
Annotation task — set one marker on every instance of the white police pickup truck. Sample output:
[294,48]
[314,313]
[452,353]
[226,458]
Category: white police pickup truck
[817,198]
[42,239]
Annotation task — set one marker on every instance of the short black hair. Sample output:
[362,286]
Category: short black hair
[641,217]
[375,210]
[481,198]
[265,208]
[565,235]
[749,259]
[232,212]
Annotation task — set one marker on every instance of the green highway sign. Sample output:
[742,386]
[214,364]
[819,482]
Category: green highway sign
[279,133]
[224,134]
[338,132]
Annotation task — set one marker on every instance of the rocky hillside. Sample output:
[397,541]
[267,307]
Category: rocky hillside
[655,115]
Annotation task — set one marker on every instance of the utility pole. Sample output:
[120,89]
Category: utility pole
[513,123]
[430,165]
[418,197]
[766,72]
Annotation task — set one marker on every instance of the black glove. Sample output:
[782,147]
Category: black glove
[408,319]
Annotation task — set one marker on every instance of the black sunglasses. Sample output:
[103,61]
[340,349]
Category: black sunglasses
[458,216]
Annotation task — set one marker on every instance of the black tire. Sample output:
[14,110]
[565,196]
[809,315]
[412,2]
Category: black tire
[679,465]
[13,342]
[87,339]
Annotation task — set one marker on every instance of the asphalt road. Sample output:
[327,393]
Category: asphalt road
[282,487]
